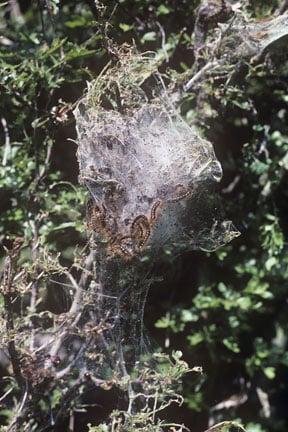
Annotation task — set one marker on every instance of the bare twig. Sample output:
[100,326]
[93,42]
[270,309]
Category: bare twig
[71,394]
[199,74]
[82,284]
[218,427]
[6,394]
[9,295]
[74,314]
[68,328]
[281,8]
[163,42]
[42,172]
[7,146]
[68,368]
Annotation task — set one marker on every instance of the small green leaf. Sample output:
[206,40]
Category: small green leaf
[163,322]
[126,27]
[78,52]
[196,338]
[270,372]
[162,10]
[55,46]
[148,37]
[188,316]
[271,262]
[78,22]
[231,345]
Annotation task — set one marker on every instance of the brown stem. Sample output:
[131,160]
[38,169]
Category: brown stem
[10,295]
[281,8]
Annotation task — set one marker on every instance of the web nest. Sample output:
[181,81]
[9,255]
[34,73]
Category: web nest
[148,173]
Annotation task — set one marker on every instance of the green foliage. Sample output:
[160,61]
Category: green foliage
[31,73]
[158,391]
[235,315]
[254,427]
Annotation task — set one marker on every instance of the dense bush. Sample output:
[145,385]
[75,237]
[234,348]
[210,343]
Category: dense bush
[225,310]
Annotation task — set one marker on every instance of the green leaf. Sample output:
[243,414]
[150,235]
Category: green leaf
[162,10]
[163,322]
[259,167]
[77,22]
[195,339]
[188,316]
[231,344]
[270,372]
[57,43]
[126,27]
[78,52]
[149,37]
[271,262]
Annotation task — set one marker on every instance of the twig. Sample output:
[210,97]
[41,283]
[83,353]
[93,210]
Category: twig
[218,427]
[75,309]
[6,394]
[25,395]
[68,368]
[9,294]
[163,42]
[82,284]
[281,8]
[174,425]
[59,338]
[69,396]
[7,146]
[50,342]
[198,75]
[46,162]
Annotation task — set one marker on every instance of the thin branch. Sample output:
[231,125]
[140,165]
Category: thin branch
[218,427]
[82,284]
[57,343]
[163,42]
[75,309]
[67,369]
[7,146]
[9,295]
[69,396]
[24,398]
[199,74]
[6,394]
[46,162]
[281,8]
